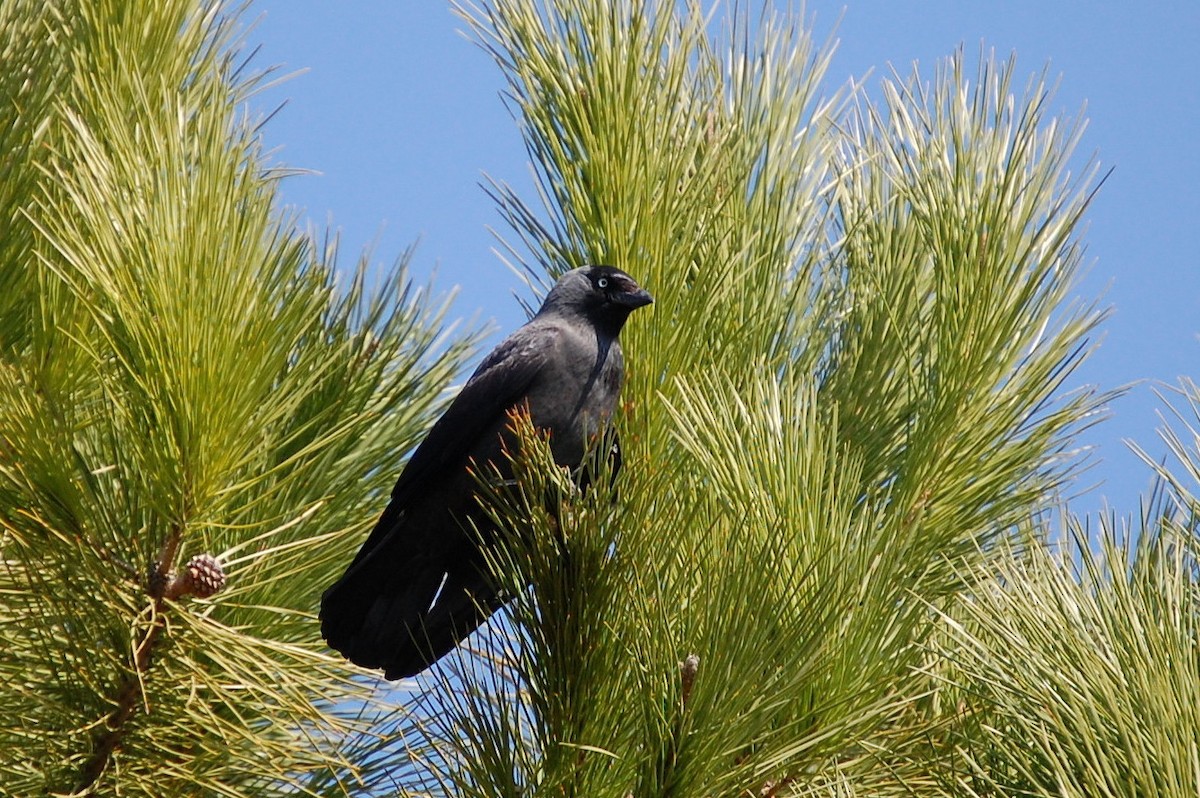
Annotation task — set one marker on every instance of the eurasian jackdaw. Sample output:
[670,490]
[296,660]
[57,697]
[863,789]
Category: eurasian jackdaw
[419,584]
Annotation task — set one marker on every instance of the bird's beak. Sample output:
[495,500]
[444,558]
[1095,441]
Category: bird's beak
[633,299]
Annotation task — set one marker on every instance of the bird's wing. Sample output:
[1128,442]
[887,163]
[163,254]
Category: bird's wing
[500,383]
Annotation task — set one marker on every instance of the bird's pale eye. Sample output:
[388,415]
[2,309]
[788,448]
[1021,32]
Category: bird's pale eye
[602,282]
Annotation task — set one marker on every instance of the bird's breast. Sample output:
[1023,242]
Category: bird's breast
[575,399]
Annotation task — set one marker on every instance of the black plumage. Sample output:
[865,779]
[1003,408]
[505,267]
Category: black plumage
[418,585]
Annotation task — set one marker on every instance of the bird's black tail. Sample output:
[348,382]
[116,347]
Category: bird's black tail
[402,610]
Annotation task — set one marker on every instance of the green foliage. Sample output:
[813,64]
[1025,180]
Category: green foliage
[840,408]
[181,373]
[1081,671]
[827,568]
[1078,667]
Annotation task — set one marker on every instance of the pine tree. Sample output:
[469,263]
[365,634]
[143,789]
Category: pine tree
[843,414]
[197,419]
[836,563]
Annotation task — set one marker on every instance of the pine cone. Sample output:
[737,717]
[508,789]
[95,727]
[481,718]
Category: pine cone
[687,675]
[203,577]
[206,575]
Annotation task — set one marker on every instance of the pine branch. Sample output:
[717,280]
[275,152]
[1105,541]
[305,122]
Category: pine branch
[184,360]
[109,736]
[204,577]
[843,404]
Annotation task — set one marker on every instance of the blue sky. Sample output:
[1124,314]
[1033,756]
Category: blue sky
[400,114]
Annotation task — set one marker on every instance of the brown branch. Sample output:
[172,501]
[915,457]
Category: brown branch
[114,728]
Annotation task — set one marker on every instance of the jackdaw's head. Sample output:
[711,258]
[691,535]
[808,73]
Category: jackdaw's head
[604,295]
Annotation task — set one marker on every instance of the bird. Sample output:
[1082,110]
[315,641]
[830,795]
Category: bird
[419,584]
